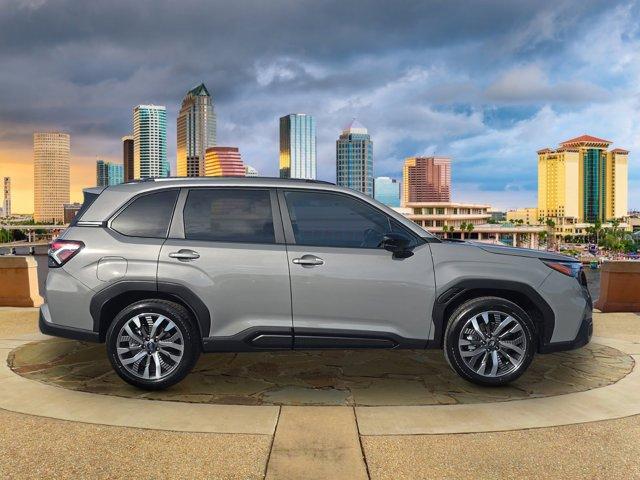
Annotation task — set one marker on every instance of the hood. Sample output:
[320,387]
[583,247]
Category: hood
[523,252]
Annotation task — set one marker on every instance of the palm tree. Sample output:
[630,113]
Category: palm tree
[463,228]
[470,228]
[551,237]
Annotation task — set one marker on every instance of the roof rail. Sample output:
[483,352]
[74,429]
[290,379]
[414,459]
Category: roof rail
[257,179]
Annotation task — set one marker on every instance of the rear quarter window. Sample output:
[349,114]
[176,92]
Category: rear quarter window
[147,216]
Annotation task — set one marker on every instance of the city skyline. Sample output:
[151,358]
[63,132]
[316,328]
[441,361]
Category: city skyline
[417,94]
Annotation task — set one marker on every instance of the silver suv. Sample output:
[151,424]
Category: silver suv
[163,270]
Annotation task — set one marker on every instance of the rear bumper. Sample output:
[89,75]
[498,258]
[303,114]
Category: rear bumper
[49,328]
[582,338]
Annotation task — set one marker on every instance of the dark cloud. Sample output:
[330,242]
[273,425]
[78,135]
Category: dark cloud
[422,75]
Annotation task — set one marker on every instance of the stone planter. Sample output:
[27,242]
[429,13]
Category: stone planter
[619,287]
[19,282]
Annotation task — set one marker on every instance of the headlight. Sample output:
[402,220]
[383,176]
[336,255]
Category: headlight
[571,269]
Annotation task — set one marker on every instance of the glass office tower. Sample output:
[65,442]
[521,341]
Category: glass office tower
[298,146]
[150,142]
[387,190]
[354,159]
[196,131]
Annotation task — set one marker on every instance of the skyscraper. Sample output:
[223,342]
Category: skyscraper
[108,173]
[7,197]
[127,157]
[387,190]
[51,158]
[223,162]
[101,174]
[582,180]
[196,131]
[298,146]
[354,159]
[150,142]
[426,179]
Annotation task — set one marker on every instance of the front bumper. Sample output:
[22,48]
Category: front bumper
[582,338]
[49,328]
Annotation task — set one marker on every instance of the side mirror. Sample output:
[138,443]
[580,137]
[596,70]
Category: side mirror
[398,244]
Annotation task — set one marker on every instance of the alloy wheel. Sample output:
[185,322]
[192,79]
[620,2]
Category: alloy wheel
[150,346]
[492,343]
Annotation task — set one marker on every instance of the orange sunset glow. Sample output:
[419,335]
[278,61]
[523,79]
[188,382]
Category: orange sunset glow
[17,163]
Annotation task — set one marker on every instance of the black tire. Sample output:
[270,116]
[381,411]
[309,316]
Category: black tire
[183,322]
[452,341]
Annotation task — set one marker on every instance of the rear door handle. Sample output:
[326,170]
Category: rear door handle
[308,261]
[185,255]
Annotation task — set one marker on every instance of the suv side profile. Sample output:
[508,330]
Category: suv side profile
[163,270]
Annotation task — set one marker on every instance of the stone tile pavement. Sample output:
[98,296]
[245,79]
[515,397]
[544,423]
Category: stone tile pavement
[327,442]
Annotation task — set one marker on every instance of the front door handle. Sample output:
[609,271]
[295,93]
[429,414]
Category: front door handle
[185,255]
[308,261]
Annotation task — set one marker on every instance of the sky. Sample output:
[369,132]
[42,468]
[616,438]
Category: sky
[486,83]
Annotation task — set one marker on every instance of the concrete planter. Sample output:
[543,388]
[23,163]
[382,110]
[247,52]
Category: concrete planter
[19,282]
[619,287]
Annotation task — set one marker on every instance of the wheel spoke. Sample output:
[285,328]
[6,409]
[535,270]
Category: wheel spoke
[145,374]
[515,348]
[175,346]
[130,348]
[494,363]
[156,360]
[476,327]
[134,359]
[483,364]
[133,335]
[472,353]
[503,325]
[156,326]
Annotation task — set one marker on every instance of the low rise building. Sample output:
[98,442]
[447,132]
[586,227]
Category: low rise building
[469,221]
[529,216]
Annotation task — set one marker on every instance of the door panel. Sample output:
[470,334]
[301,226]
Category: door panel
[362,290]
[242,285]
[343,283]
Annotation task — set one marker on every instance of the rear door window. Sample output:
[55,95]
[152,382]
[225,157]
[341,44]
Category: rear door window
[147,216]
[229,215]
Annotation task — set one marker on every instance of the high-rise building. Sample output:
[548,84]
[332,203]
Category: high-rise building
[354,159]
[51,158]
[102,175]
[298,146]
[196,131]
[387,190]
[127,157]
[115,173]
[223,162]
[426,179]
[108,173]
[581,180]
[249,171]
[7,197]
[150,142]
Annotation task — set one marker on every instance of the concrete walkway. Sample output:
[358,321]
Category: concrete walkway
[318,442]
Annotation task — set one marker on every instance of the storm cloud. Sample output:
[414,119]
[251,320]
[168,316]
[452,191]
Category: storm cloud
[487,82]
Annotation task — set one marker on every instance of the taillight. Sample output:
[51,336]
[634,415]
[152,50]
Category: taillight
[571,269]
[61,251]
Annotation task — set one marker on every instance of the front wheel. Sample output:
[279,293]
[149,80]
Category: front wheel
[489,341]
[152,344]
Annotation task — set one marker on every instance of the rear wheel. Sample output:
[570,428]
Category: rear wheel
[152,344]
[489,341]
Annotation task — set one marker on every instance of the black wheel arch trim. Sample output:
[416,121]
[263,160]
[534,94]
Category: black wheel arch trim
[171,290]
[459,291]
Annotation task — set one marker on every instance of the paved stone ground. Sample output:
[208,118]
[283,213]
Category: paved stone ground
[309,443]
[357,377]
